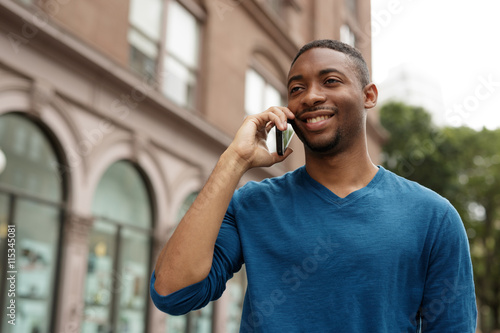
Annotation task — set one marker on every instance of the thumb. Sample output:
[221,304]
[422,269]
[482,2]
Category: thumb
[287,153]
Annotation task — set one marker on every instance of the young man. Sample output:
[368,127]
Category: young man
[338,245]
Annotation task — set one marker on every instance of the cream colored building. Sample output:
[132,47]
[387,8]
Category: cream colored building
[112,116]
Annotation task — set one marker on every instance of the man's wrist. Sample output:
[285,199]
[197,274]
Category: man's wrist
[234,161]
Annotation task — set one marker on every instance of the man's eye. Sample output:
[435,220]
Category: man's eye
[294,89]
[330,81]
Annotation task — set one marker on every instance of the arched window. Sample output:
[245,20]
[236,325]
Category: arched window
[116,288]
[31,215]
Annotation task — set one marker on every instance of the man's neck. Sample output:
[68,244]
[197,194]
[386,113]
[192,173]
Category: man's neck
[342,173]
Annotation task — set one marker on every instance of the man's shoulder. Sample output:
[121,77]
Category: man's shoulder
[271,185]
[286,178]
[403,188]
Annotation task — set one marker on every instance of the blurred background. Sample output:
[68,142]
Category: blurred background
[436,66]
[113,114]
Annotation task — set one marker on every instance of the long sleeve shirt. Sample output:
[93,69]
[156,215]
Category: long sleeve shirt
[390,257]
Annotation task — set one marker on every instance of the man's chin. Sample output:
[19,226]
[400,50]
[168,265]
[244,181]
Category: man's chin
[326,147]
[319,146]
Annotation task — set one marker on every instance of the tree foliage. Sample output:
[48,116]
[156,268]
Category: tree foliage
[462,165]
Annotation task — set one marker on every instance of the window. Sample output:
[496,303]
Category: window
[347,36]
[199,321]
[31,201]
[116,287]
[164,48]
[259,96]
[181,55]
[144,36]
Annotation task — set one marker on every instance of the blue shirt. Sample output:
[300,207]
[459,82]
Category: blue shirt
[374,261]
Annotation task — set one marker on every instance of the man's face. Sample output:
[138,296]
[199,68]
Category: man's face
[326,96]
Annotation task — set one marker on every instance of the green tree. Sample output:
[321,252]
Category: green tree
[463,165]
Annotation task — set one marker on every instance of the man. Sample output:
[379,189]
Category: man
[339,245]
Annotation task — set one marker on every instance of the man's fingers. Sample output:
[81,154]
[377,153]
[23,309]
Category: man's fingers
[269,126]
[280,115]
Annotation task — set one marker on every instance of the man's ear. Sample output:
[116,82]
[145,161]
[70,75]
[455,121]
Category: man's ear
[371,94]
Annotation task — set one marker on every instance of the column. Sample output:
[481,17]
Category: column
[73,271]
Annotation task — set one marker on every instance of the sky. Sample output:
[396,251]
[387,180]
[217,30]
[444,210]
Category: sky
[453,44]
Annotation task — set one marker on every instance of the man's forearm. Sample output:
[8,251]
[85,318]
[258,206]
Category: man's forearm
[187,257]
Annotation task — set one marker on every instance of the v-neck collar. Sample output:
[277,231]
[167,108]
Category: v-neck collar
[327,194]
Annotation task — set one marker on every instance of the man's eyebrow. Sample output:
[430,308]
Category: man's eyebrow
[330,70]
[294,78]
[321,72]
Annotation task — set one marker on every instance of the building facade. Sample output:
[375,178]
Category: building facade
[112,115]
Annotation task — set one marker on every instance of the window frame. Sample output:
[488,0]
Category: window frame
[113,307]
[15,195]
[120,226]
[157,79]
[269,80]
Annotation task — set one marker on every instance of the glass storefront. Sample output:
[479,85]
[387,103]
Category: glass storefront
[31,195]
[116,287]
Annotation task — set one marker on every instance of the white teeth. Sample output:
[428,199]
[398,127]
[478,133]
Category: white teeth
[316,119]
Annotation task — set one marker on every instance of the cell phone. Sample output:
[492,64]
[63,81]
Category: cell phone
[280,142]
[277,141]
[283,139]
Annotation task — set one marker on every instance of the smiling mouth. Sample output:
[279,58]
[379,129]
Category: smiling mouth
[317,119]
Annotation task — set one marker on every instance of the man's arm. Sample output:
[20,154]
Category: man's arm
[449,303]
[187,257]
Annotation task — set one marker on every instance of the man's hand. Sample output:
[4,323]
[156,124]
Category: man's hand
[249,144]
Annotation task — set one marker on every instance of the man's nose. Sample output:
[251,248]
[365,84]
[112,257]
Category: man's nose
[314,96]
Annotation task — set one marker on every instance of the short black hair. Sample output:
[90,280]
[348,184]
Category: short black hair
[352,53]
